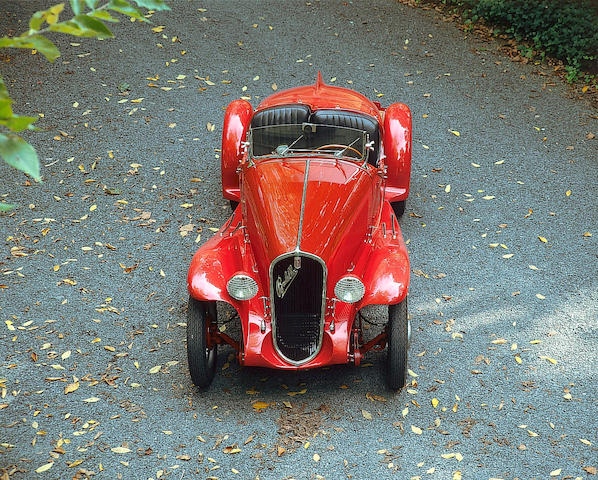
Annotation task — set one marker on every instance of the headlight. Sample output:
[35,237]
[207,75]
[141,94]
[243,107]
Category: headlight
[241,287]
[349,289]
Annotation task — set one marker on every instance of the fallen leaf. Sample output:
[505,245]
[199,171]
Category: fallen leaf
[91,400]
[155,369]
[434,402]
[555,473]
[367,415]
[542,239]
[455,132]
[44,468]
[416,430]
[120,450]
[71,387]
[260,405]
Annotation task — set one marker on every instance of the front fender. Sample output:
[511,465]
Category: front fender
[386,277]
[219,259]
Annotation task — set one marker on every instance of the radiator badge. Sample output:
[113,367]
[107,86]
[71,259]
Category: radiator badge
[283,285]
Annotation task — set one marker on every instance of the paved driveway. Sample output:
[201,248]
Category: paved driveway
[504,291]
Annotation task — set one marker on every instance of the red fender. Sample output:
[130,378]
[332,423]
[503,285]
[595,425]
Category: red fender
[397,149]
[236,122]
[387,273]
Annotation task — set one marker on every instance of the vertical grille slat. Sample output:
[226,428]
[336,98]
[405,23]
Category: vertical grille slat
[298,296]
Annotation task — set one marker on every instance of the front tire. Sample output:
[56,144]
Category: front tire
[397,331]
[399,208]
[201,358]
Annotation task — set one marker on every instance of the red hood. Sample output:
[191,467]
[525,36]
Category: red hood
[338,207]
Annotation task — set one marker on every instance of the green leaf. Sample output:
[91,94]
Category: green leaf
[18,123]
[77,5]
[37,42]
[19,154]
[103,15]
[5,207]
[37,20]
[95,25]
[83,26]
[91,3]
[124,7]
[152,4]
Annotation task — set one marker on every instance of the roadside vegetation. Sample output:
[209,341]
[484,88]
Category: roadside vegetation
[565,33]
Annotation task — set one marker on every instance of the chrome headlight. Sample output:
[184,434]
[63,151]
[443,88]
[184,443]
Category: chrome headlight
[241,287]
[349,289]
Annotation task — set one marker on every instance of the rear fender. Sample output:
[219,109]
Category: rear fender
[397,149]
[236,122]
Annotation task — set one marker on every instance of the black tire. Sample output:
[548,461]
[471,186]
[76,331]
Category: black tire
[202,360]
[399,208]
[398,343]
[233,205]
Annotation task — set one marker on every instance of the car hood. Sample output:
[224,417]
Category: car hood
[338,204]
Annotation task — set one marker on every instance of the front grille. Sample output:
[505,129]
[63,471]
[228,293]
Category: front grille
[297,295]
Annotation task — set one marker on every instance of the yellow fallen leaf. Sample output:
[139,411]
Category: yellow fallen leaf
[158,29]
[66,355]
[416,430]
[71,387]
[457,475]
[458,456]
[316,457]
[92,208]
[518,359]
[91,400]
[542,239]
[476,165]
[155,369]
[455,132]
[44,468]
[260,405]
[585,442]
[167,432]
[540,296]
[75,463]
[488,197]
[212,229]
[405,412]
[508,255]
[120,449]
[568,193]
[137,100]
[500,162]
[447,455]
[551,360]
[186,205]
[555,473]
[447,189]
[499,341]
[532,434]
[367,415]
[434,402]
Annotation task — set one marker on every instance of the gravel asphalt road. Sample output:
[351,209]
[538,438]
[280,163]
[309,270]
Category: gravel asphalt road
[501,224]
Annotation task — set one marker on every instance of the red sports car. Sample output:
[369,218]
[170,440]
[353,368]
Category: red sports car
[317,177]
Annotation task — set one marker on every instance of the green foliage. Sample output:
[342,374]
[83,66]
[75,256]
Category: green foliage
[19,154]
[567,30]
[88,21]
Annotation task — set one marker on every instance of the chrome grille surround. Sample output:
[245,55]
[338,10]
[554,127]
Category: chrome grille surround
[314,341]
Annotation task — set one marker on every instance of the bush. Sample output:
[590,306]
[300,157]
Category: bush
[567,30]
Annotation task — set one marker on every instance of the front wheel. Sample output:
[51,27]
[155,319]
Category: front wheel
[399,208]
[397,332]
[200,355]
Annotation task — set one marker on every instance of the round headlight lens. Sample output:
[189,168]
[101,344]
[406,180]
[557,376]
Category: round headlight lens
[242,287]
[349,289]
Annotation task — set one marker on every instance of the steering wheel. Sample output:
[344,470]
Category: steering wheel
[340,147]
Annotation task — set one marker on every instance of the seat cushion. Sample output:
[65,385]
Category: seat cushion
[284,115]
[358,121]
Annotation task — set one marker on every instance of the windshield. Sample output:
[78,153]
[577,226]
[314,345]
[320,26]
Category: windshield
[308,138]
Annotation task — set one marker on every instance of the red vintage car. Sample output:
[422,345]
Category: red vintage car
[317,177]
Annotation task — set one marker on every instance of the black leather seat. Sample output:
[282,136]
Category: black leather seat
[284,115]
[358,121]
